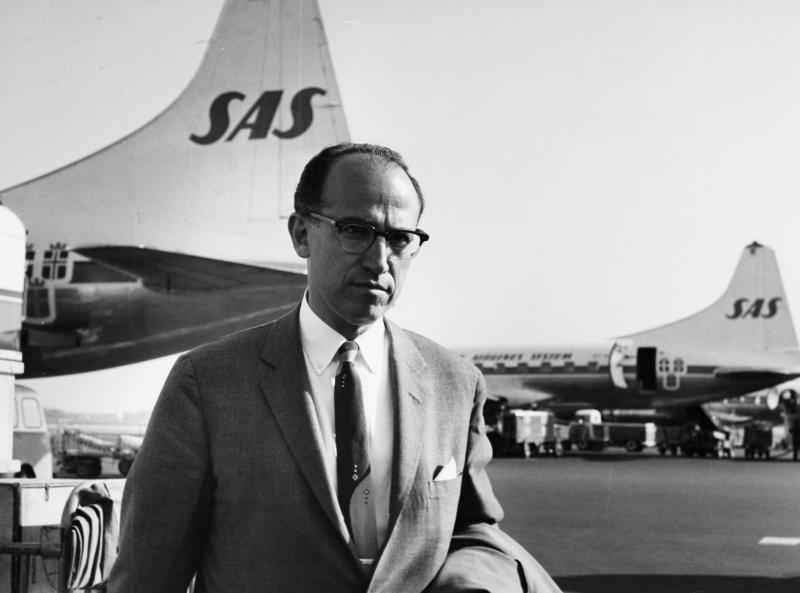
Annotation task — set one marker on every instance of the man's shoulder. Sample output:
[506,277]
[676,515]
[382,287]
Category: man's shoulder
[433,352]
[244,343]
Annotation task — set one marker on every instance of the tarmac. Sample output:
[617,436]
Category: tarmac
[640,523]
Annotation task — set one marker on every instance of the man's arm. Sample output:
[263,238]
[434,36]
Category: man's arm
[483,558]
[167,494]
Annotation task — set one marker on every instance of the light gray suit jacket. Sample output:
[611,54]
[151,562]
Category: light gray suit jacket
[230,483]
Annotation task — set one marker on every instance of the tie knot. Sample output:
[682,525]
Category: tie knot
[348,352]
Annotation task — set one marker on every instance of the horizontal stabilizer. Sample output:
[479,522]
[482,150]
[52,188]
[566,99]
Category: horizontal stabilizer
[169,271]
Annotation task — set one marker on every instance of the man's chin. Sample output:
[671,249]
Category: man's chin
[369,314]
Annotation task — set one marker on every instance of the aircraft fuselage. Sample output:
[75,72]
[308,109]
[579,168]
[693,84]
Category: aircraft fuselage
[623,375]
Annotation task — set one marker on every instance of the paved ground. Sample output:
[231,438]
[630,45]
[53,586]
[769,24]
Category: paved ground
[640,523]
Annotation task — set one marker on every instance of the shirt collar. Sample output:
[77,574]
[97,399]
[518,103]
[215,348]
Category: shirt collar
[321,342]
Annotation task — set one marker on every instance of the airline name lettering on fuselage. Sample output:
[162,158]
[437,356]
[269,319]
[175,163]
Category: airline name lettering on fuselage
[258,119]
[744,308]
[520,357]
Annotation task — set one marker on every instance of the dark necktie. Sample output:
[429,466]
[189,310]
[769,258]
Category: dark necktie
[352,455]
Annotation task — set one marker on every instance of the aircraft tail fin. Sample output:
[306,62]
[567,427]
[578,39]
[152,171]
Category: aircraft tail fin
[214,174]
[753,314]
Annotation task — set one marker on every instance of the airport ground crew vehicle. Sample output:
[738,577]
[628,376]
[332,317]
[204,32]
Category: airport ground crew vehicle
[689,439]
[632,436]
[589,433]
[31,445]
[80,450]
[529,432]
[757,440]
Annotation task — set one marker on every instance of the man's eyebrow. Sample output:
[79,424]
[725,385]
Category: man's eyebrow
[354,219]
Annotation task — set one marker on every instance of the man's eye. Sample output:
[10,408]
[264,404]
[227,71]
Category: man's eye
[400,239]
[355,231]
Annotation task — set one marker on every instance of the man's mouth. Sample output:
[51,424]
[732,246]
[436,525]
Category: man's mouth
[376,286]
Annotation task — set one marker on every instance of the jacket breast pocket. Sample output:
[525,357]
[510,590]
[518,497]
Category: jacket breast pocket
[445,490]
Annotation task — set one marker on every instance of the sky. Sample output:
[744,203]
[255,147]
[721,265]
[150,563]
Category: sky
[591,168]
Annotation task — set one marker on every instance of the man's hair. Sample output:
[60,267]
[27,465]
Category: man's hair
[308,195]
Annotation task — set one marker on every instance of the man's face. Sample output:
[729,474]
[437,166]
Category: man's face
[349,291]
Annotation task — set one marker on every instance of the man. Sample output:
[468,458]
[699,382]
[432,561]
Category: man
[245,473]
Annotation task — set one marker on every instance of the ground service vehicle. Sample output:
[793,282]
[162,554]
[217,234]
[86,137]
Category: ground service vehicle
[529,432]
[31,445]
[81,449]
[757,440]
[633,436]
[689,439]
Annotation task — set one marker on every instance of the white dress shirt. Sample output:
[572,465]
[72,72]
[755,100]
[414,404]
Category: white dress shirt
[320,344]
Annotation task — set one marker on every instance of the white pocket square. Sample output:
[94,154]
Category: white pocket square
[445,472]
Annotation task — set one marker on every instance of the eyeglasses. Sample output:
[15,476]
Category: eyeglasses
[357,237]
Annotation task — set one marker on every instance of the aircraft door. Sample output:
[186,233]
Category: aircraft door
[646,368]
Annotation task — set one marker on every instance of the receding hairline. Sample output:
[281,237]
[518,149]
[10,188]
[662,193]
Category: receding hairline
[387,163]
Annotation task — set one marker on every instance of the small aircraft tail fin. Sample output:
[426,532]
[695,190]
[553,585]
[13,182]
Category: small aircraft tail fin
[753,314]
[214,174]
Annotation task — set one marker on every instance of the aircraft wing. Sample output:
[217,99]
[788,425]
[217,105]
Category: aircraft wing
[756,373]
[169,271]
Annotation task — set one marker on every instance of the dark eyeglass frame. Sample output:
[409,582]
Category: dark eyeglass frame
[341,225]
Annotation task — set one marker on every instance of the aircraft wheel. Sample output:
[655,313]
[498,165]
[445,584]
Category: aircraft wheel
[25,471]
[583,444]
[124,466]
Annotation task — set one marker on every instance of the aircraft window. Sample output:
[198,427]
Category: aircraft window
[663,365]
[46,271]
[569,366]
[679,365]
[61,271]
[30,255]
[29,271]
[31,414]
[48,254]
[547,367]
[592,365]
[62,254]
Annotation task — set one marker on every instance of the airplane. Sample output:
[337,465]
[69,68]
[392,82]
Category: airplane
[164,239]
[194,206]
[743,342]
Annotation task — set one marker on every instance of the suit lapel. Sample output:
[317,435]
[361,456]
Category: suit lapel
[288,396]
[409,373]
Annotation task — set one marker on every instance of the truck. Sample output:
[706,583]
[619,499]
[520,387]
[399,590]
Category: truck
[690,439]
[80,449]
[632,436]
[31,443]
[589,433]
[529,432]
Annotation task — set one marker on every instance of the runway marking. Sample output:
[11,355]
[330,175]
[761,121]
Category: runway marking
[780,541]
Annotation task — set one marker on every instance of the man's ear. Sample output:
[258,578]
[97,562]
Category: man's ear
[298,230]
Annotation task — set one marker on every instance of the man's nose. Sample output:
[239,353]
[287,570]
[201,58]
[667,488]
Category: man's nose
[376,258]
